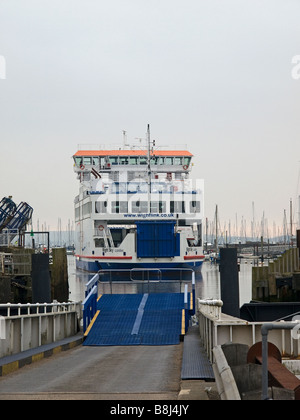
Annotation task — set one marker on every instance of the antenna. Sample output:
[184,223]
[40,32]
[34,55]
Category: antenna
[125,144]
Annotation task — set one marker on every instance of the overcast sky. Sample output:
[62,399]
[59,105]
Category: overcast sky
[215,75]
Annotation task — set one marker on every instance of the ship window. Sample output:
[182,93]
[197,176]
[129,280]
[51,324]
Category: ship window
[155,160]
[101,207]
[195,206]
[139,187]
[123,207]
[113,160]
[133,160]
[187,161]
[168,161]
[158,207]
[177,206]
[99,243]
[178,161]
[140,206]
[77,213]
[119,207]
[143,161]
[87,161]
[78,161]
[102,162]
[87,209]
[123,160]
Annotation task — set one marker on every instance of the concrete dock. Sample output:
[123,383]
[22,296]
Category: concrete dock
[100,373]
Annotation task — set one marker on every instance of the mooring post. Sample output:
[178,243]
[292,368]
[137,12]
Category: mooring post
[194,292]
[186,306]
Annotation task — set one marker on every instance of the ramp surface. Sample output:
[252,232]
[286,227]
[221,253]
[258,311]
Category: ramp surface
[195,363]
[140,319]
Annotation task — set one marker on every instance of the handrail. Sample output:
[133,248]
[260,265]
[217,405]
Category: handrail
[55,307]
[91,283]
[143,271]
[89,307]
[130,270]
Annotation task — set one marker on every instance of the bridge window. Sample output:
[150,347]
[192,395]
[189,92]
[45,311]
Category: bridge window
[143,161]
[87,161]
[133,160]
[186,161]
[155,160]
[177,160]
[124,160]
[78,161]
[168,161]
[95,160]
[102,162]
[113,160]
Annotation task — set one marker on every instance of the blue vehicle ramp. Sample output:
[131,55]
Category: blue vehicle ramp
[138,319]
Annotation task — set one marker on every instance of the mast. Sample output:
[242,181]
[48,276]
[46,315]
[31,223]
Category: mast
[149,166]
[216,228]
[291,221]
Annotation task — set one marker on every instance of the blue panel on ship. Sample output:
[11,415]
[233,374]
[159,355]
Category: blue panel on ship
[157,239]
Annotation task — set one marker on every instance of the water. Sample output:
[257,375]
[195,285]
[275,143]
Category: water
[207,283]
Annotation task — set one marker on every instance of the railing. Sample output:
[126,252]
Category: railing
[25,326]
[23,309]
[91,283]
[217,328]
[89,307]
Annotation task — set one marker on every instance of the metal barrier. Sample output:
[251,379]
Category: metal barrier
[217,328]
[126,276]
[26,309]
[90,284]
[89,307]
[25,326]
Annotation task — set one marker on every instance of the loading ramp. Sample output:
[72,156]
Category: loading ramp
[138,319]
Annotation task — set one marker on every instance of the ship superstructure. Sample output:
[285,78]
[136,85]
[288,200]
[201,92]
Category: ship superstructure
[137,208]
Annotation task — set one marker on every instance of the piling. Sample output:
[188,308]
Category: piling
[229,278]
[59,275]
[41,280]
[5,289]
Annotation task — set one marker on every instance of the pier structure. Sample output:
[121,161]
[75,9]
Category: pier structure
[279,280]
[25,327]
[228,341]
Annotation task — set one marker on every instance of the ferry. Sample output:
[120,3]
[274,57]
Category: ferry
[138,209]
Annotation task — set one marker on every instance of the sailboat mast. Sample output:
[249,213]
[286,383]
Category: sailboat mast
[216,228]
[149,164]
